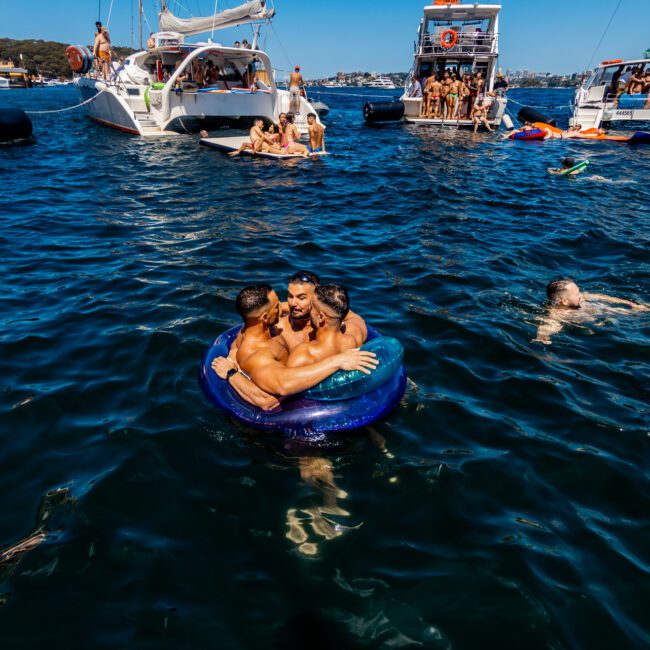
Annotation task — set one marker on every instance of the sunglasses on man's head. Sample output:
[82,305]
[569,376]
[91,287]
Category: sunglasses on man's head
[301,277]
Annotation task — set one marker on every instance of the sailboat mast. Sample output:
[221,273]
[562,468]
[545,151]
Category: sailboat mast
[140,20]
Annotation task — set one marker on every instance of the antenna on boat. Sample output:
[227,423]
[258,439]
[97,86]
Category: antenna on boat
[140,20]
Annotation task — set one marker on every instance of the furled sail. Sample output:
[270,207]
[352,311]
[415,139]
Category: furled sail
[249,12]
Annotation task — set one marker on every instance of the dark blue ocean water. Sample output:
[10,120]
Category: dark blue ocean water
[508,505]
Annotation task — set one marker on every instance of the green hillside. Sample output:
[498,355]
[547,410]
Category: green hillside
[46,57]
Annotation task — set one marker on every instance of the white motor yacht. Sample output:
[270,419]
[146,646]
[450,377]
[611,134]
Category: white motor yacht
[381,82]
[154,93]
[460,38]
[604,96]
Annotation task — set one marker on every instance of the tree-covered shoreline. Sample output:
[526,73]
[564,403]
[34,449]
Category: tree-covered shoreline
[44,57]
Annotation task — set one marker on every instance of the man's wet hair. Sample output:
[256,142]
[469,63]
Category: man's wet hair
[302,277]
[335,297]
[251,298]
[557,287]
[311,115]
[567,163]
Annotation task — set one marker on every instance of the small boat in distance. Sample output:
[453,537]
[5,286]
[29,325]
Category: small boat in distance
[381,82]
[604,96]
[13,77]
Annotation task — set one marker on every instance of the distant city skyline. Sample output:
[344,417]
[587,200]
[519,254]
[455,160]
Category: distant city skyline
[373,36]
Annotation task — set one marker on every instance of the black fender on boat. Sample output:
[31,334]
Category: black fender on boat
[391,111]
[15,127]
[528,114]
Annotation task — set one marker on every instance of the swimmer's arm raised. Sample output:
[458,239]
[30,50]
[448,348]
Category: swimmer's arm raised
[243,386]
[276,379]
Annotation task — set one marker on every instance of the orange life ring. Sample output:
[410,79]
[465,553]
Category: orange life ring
[443,39]
[75,58]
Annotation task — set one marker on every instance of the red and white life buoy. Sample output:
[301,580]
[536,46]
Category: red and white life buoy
[446,42]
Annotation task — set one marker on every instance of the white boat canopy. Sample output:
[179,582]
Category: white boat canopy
[461,12]
[249,12]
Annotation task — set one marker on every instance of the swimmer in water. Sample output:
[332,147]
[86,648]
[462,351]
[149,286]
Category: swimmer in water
[567,305]
[567,163]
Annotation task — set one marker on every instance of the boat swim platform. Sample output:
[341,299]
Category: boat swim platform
[233,143]
[440,122]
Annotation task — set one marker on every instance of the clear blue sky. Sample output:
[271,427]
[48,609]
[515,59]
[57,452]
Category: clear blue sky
[374,35]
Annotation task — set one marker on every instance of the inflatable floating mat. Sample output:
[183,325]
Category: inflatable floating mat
[233,143]
[531,134]
[343,401]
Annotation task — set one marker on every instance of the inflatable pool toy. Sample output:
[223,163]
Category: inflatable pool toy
[530,134]
[638,137]
[581,166]
[232,143]
[344,401]
[157,85]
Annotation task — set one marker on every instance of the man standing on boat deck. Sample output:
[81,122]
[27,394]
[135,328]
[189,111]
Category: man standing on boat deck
[102,50]
[295,81]
[263,357]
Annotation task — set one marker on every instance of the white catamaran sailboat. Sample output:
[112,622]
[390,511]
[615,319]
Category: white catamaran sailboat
[154,93]
[604,96]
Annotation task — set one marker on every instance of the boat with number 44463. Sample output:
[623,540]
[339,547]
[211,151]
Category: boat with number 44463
[616,91]
[175,86]
[456,38]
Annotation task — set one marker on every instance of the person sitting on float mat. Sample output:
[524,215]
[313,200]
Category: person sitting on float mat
[316,135]
[262,357]
[568,305]
[330,304]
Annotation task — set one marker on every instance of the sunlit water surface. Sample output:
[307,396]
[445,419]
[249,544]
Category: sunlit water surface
[509,505]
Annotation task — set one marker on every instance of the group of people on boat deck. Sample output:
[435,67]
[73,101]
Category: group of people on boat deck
[285,138]
[449,95]
[286,348]
[631,81]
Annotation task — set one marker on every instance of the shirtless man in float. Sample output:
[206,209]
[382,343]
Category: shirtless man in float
[263,357]
[329,306]
[316,135]
[567,305]
[295,322]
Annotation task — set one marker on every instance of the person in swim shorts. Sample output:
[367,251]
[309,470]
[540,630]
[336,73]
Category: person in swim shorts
[567,305]
[102,50]
[262,357]
[316,135]
[295,82]
[452,97]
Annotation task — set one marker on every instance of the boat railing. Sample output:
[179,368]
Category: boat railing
[468,43]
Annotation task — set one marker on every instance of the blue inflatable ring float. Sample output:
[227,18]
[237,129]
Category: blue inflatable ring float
[321,409]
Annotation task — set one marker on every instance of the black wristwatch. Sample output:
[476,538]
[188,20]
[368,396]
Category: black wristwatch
[230,373]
